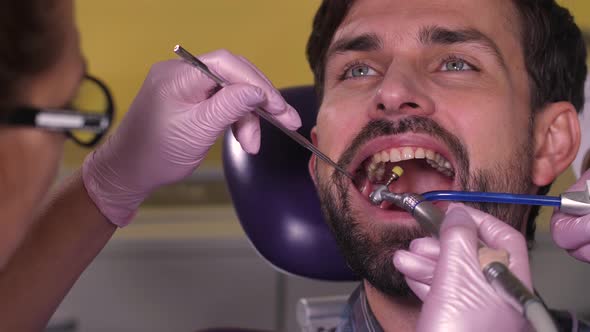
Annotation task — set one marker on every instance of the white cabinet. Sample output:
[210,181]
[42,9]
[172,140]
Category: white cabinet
[179,286]
[186,271]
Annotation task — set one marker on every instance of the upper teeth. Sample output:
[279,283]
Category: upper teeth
[376,171]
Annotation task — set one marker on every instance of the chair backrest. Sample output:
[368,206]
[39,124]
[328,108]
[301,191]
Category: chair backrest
[276,202]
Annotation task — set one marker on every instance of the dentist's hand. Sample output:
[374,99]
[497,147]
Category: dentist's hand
[572,233]
[456,295]
[172,123]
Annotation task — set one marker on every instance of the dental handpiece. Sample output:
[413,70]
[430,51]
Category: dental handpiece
[304,142]
[430,218]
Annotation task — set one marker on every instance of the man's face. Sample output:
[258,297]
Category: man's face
[437,87]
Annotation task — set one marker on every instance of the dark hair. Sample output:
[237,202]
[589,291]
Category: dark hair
[553,47]
[327,20]
[30,42]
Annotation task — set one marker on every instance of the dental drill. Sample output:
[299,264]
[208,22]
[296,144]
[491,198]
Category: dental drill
[430,218]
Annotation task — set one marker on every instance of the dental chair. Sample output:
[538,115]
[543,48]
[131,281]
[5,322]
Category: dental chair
[278,208]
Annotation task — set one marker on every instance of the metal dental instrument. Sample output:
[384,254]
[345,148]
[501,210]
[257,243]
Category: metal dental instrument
[304,142]
[396,172]
[426,214]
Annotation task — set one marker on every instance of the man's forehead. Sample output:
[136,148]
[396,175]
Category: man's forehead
[368,16]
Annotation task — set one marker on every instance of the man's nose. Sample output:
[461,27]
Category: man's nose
[401,93]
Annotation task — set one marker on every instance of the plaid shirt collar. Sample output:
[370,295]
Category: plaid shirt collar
[357,316]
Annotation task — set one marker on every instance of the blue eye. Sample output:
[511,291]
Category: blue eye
[359,71]
[456,64]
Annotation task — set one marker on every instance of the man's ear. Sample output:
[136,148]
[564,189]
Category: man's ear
[311,165]
[557,139]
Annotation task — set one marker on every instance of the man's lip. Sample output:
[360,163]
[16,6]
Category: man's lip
[398,141]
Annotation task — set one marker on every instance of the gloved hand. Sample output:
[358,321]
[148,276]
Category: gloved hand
[459,298]
[572,233]
[171,125]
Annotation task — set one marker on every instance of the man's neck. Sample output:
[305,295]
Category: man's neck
[393,314]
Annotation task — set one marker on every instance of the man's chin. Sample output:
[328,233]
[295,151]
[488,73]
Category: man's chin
[388,280]
[369,249]
[368,241]
[381,273]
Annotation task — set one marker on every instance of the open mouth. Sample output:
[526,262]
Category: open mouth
[425,169]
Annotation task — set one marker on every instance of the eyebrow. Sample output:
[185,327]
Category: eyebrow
[362,43]
[430,35]
[443,36]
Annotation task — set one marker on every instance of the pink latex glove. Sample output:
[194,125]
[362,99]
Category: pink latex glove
[456,295]
[572,233]
[171,125]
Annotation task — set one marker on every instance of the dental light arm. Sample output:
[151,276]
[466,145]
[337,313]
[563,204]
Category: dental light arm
[497,274]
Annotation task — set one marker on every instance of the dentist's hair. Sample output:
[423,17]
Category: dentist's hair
[31,40]
[553,48]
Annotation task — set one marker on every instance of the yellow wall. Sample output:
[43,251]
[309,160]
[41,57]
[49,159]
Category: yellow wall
[580,9]
[122,38]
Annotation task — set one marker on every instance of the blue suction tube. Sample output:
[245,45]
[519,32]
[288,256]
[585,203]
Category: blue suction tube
[486,197]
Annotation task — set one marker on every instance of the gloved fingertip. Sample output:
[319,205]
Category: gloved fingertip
[454,205]
[294,118]
[251,144]
[457,216]
[400,258]
[421,290]
[276,104]
[251,147]
[247,132]
[426,246]
[582,254]
[289,118]
[559,236]
[253,96]
[418,243]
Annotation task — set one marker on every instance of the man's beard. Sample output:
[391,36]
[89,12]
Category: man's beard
[369,246]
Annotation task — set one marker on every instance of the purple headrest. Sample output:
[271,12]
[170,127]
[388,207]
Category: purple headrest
[276,202]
